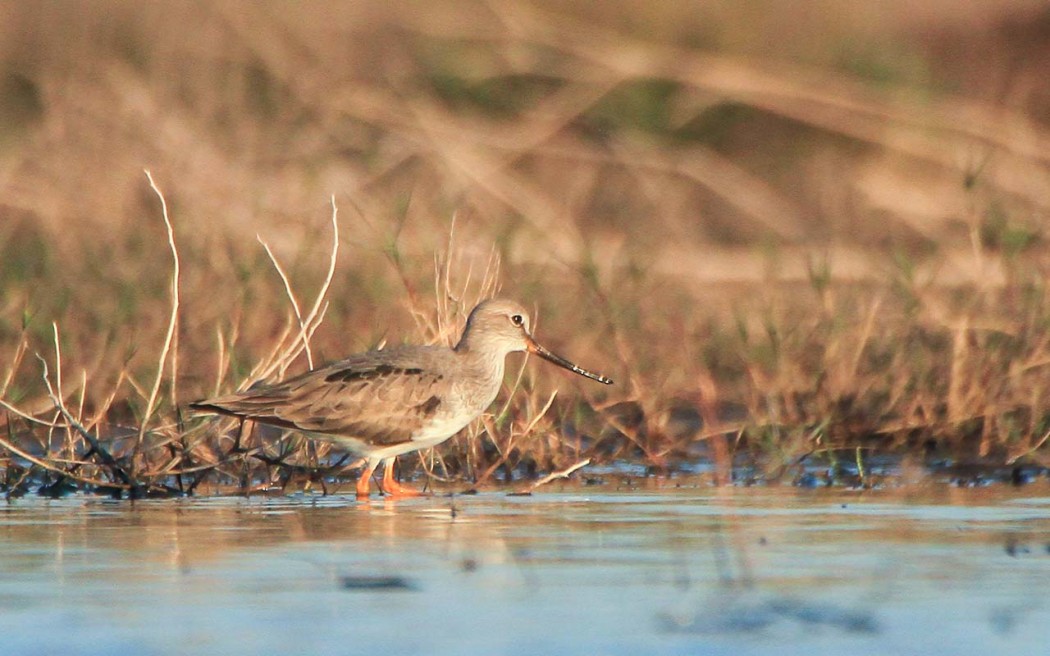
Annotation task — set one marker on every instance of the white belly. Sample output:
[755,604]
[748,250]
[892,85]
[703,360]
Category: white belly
[431,435]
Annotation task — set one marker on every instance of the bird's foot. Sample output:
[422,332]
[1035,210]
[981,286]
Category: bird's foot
[363,489]
[392,488]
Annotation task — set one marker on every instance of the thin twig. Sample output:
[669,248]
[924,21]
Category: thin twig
[1028,452]
[25,415]
[565,473]
[103,454]
[61,472]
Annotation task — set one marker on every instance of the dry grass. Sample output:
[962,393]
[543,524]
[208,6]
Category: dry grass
[833,244]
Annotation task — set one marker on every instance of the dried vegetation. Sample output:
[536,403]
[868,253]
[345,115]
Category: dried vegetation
[788,233]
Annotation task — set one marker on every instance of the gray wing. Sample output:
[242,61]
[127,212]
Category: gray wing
[380,397]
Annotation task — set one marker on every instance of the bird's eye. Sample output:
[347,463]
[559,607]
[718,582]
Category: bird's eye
[517,320]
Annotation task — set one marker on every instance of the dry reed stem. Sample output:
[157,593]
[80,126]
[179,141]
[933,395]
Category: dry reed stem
[170,337]
[314,318]
[16,361]
[222,361]
[266,365]
[564,473]
[26,416]
[1029,451]
[58,384]
[865,337]
[58,360]
[291,298]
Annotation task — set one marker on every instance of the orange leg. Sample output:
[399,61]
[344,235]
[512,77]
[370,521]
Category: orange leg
[365,481]
[393,488]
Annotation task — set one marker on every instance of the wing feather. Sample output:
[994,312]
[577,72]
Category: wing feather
[382,398]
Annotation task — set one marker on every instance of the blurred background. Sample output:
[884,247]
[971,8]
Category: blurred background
[830,212]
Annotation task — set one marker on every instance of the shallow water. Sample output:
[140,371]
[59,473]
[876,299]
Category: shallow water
[933,570]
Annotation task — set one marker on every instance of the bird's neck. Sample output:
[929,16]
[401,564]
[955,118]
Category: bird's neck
[468,344]
[483,357]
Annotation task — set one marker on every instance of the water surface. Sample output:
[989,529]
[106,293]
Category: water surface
[934,570]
